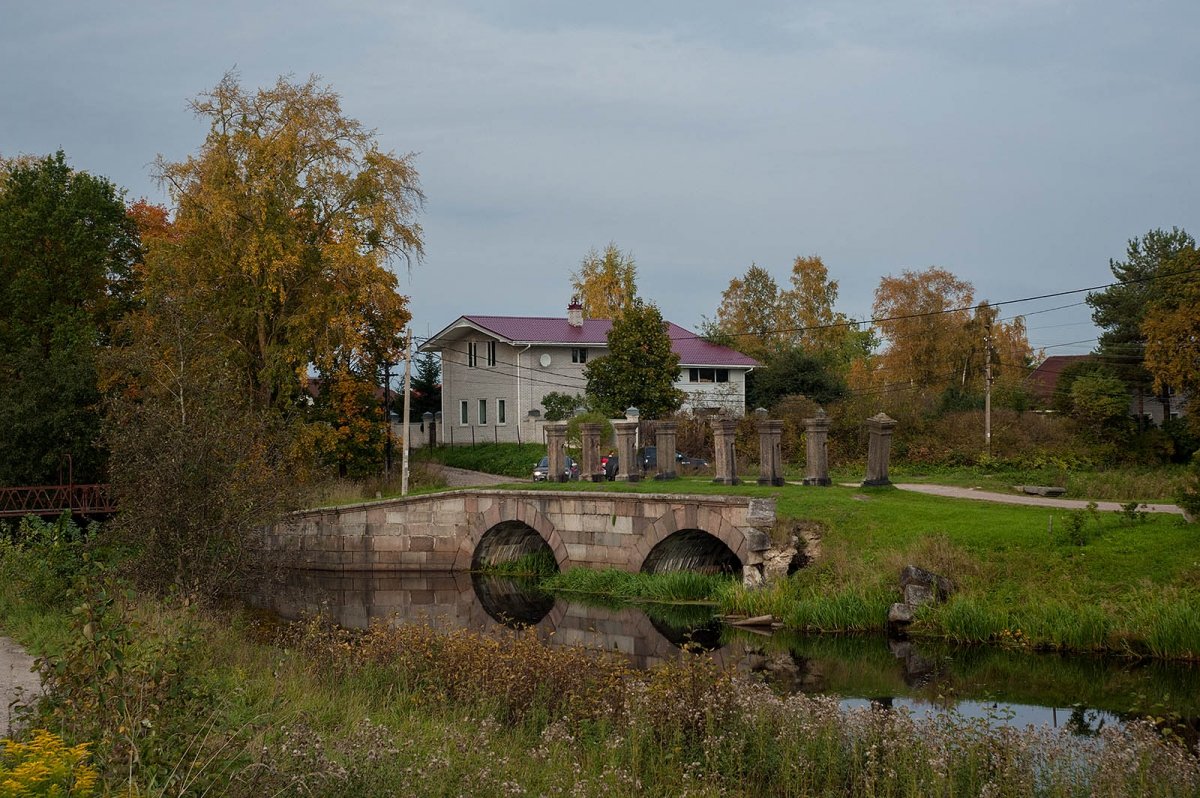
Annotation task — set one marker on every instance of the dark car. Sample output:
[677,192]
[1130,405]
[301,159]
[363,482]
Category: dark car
[542,469]
[649,458]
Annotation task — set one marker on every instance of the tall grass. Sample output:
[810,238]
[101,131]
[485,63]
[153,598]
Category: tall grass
[319,710]
[536,563]
[505,459]
[661,587]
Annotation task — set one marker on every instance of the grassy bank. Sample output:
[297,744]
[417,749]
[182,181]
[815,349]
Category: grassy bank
[1026,577]
[506,459]
[1130,483]
[247,709]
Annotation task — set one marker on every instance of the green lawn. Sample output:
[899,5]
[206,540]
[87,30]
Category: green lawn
[1026,576]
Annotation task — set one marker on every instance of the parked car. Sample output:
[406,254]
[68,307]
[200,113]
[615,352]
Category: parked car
[542,469]
[649,458]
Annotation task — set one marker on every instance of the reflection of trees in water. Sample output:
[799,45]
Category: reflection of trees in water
[1084,722]
[691,636]
[510,601]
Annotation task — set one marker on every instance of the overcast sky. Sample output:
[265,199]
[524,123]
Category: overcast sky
[1017,143]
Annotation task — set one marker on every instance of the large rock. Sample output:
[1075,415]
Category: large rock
[900,614]
[939,587]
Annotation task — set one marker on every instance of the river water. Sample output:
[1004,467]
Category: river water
[1080,693]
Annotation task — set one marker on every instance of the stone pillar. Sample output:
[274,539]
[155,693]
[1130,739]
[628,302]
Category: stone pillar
[879,449]
[770,449]
[556,458]
[664,441]
[627,464]
[590,469]
[724,432]
[816,432]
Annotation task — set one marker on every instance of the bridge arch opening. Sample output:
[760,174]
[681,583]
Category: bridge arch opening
[511,601]
[692,550]
[509,542]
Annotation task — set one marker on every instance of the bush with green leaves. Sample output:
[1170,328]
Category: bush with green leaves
[44,557]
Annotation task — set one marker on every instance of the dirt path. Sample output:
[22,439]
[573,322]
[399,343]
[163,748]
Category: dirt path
[1032,501]
[462,478]
[17,681]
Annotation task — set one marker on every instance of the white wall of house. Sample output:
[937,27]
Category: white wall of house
[488,387]
[704,390]
[520,380]
[1153,407]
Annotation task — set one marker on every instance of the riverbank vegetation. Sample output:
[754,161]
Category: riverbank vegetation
[1039,578]
[176,699]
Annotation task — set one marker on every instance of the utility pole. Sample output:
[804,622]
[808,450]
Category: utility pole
[987,394]
[387,420]
[407,403]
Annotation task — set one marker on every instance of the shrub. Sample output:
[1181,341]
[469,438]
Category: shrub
[44,557]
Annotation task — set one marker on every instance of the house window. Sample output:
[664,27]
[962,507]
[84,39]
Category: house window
[500,419]
[483,411]
[491,353]
[579,354]
[708,375]
[472,354]
[462,412]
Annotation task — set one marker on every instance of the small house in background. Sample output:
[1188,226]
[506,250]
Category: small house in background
[1043,383]
[497,369]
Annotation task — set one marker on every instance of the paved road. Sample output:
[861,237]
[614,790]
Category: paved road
[17,681]
[1033,501]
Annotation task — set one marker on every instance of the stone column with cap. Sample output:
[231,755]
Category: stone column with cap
[556,458]
[664,441]
[627,465]
[770,449]
[724,434]
[816,433]
[879,449]
[590,469]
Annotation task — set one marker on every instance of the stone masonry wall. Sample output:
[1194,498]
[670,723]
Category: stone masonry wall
[441,532]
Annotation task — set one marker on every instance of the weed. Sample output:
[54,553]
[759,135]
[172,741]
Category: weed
[45,766]
[1131,514]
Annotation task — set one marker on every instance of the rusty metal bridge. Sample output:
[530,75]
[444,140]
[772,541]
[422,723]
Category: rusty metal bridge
[88,501]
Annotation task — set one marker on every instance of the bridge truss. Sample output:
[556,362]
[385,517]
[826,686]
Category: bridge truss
[48,500]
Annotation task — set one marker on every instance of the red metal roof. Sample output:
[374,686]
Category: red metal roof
[1043,380]
[691,348]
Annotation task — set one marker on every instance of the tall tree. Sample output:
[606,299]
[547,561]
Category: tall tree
[67,249]
[759,318]
[749,314]
[924,320]
[1171,327]
[640,368]
[1120,310]
[606,283]
[285,222]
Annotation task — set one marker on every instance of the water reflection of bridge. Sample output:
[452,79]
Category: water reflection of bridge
[457,600]
[1049,689]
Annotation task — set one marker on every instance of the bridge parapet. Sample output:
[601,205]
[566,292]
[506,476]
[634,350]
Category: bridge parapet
[442,532]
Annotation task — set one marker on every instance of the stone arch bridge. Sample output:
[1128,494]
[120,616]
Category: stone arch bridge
[462,530]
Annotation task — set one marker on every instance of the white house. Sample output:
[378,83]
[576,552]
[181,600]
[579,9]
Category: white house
[496,369]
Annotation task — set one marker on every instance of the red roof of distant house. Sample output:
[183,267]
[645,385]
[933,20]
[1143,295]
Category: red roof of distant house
[1043,379]
[691,348]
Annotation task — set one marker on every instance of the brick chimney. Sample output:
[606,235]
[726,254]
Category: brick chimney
[575,313]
